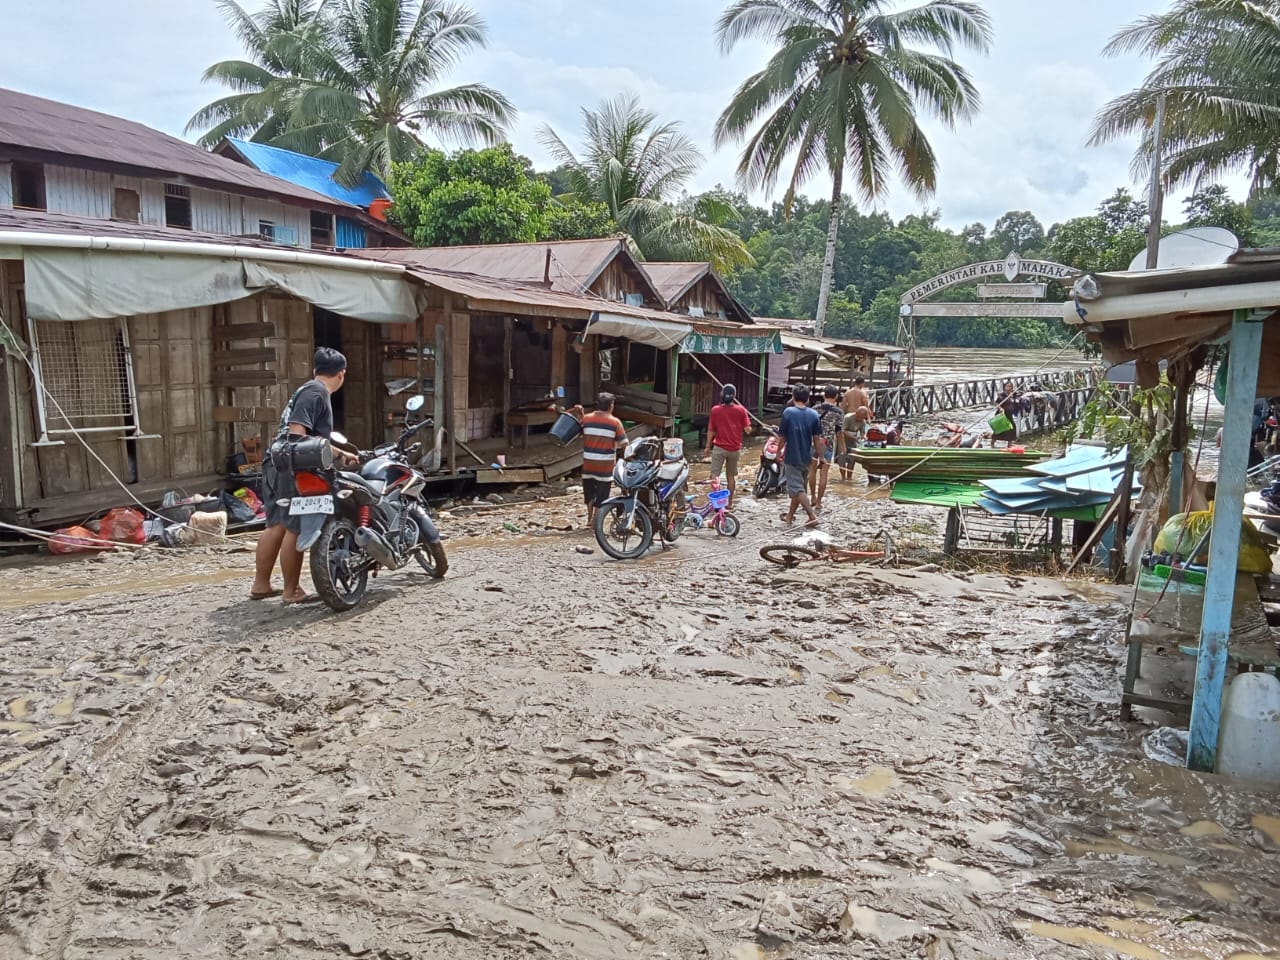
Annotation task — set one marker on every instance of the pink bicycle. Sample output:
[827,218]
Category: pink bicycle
[714,513]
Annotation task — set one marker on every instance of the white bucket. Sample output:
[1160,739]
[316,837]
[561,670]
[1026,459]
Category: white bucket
[1250,732]
[673,448]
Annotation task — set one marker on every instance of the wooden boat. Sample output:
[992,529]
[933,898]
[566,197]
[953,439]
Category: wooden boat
[946,463]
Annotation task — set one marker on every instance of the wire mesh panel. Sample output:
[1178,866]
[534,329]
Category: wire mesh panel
[982,532]
[84,370]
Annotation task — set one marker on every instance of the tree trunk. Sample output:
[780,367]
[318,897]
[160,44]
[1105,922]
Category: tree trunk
[829,259]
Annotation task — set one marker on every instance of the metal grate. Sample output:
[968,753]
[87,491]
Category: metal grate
[84,375]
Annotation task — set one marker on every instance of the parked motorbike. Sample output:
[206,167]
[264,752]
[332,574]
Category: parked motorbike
[357,522]
[652,474]
[769,478]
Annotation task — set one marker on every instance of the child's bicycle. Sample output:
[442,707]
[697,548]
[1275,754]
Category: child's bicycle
[714,513]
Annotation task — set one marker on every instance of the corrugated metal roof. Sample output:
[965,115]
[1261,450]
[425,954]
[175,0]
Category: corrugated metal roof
[50,127]
[310,172]
[673,280]
[38,221]
[575,264]
[494,293]
[830,346]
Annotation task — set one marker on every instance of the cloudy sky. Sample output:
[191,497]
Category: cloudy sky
[1041,85]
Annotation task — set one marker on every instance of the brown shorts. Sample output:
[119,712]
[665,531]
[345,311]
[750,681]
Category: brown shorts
[724,460]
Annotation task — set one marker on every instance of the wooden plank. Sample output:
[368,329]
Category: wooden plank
[511,475]
[245,378]
[242,331]
[236,358]
[555,471]
[245,415]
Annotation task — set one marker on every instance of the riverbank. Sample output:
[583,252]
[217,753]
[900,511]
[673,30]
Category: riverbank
[552,754]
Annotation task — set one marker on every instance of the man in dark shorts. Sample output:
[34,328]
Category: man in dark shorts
[309,413]
[602,437]
[798,428]
[832,419]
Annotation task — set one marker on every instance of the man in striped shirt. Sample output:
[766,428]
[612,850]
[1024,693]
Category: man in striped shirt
[602,436]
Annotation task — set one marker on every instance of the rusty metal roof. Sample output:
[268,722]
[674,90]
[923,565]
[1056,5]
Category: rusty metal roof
[573,267]
[51,130]
[675,279]
[38,221]
[498,295]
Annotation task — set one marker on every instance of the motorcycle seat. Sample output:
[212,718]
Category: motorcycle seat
[376,487]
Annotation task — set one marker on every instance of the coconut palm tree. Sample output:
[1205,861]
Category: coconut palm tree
[637,167]
[1216,64]
[276,39]
[843,90]
[357,86]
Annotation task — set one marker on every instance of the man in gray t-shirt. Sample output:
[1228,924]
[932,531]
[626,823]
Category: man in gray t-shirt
[309,413]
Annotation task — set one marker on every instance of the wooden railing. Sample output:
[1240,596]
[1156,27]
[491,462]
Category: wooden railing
[1071,390]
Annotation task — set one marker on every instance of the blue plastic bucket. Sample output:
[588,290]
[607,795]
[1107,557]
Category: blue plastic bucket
[566,427]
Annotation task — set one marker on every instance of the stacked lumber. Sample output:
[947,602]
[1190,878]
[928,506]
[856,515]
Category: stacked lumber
[950,464]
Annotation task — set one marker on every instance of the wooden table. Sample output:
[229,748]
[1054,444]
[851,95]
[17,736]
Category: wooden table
[526,418]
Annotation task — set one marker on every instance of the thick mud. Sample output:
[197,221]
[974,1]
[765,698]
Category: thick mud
[549,753]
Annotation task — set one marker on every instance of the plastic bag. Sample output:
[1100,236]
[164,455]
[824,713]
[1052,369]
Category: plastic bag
[253,501]
[76,539]
[1184,532]
[123,525]
[236,509]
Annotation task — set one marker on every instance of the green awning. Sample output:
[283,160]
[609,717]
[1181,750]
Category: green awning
[711,343]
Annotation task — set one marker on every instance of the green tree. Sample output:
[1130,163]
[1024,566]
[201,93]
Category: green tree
[353,81]
[569,218]
[1017,230]
[1107,240]
[471,196]
[843,90]
[1216,65]
[1213,207]
[636,167]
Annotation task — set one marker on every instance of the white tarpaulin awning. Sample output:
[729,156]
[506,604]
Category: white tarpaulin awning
[663,334]
[80,284]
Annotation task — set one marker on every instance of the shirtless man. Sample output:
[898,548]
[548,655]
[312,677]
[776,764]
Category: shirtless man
[856,405]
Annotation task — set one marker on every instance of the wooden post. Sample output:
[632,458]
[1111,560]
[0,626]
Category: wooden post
[674,361]
[764,385]
[1181,376]
[440,382]
[1224,543]
[1118,544]
[507,324]
[450,407]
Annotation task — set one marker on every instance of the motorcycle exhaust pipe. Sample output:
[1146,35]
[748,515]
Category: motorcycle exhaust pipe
[368,540]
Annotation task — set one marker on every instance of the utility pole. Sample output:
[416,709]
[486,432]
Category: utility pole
[1156,198]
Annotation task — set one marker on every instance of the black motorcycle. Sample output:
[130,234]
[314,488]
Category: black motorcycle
[652,474]
[355,523]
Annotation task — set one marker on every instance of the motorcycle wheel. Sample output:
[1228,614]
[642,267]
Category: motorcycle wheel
[432,559]
[728,526]
[333,558]
[788,554]
[612,523]
[761,489]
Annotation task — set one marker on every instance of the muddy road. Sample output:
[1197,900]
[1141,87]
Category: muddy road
[551,754]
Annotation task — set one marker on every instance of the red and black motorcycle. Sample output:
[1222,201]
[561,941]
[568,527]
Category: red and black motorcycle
[357,522]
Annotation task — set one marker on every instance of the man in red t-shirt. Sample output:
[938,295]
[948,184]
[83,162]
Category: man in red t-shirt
[728,423]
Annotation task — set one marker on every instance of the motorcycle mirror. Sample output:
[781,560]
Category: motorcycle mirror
[339,439]
[415,403]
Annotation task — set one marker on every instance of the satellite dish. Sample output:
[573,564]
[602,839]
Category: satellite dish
[1197,247]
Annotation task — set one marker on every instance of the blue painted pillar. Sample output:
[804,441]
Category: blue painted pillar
[1224,544]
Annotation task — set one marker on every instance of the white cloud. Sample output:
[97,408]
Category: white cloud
[1042,84]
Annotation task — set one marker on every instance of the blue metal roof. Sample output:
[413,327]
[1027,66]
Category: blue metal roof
[310,172]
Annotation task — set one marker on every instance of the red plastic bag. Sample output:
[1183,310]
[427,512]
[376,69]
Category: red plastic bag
[76,540]
[123,525]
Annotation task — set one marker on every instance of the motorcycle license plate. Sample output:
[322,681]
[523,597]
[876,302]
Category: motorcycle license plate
[301,506]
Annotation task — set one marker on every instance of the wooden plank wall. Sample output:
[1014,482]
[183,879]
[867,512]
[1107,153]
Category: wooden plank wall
[703,294]
[175,398]
[6,186]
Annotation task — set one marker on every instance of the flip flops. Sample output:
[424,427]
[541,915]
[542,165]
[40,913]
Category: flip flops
[264,594]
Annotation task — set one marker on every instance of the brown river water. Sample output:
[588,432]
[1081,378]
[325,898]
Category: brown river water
[551,754]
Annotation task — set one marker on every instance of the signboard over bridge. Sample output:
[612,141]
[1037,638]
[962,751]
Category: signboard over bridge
[1011,267]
